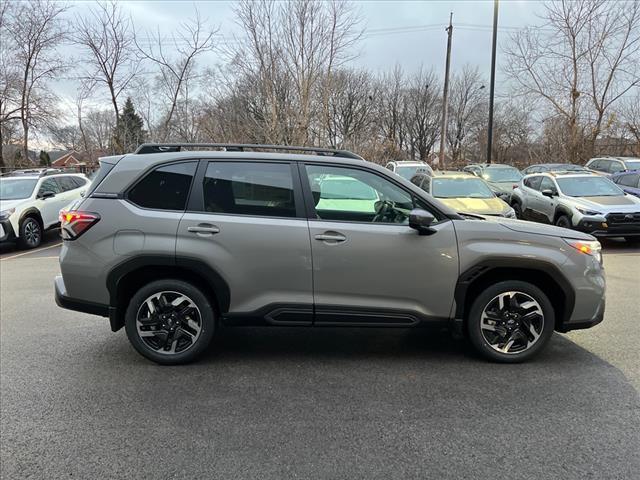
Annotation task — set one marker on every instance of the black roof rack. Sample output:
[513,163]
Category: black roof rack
[241,147]
[40,172]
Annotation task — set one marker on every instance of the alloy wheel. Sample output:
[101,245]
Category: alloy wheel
[512,322]
[169,322]
[32,232]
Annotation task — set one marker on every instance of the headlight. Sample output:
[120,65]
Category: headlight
[511,213]
[588,248]
[4,214]
[584,211]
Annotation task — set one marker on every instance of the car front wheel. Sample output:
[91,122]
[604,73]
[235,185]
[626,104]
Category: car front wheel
[510,321]
[30,233]
[170,322]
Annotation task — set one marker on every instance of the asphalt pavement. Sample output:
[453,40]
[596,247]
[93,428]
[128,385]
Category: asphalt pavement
[77,402]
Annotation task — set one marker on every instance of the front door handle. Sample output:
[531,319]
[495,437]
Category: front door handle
[331,237]
[204,228]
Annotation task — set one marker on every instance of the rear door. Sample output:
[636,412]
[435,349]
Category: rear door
[369,266]
[246,223]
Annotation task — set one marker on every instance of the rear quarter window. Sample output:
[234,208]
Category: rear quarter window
[165,188]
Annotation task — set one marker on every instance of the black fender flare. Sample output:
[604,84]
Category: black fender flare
[561,210]
[29,212]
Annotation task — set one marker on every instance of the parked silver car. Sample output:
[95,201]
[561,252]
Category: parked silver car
[407,169]
[583,201]
[172,244]
[611,165]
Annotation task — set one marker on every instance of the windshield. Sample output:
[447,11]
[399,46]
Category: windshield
[506,174]
[632,164]
[460,188]
[16,188]
[588,187]
[407,172]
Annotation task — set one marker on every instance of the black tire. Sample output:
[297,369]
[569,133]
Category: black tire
[517,208]
[206,317]
[563,221]
[30,233]
[474,321]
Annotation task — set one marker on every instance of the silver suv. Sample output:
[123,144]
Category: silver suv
[173,244]
[583,201]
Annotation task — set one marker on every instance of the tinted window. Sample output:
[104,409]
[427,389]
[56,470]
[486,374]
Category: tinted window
[603,165]
[66,183]
[49,185]
[356,195]
[595,164]
[547,184]
[79,181]
[243,188]
[533,182]
[165,188]
[629,180]
[616,167]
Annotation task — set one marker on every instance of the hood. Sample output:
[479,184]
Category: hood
[486,206]
[502,187]
[7,204]
[523,226]
[622,203]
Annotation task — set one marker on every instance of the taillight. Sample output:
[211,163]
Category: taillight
[74,223]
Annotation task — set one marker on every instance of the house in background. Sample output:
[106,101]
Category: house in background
[80,161]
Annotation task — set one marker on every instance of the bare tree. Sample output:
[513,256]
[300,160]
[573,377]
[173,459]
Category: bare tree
[9,80]
[421,113]
[176,63]
[629,118]
[35,31]
[390,112]
[581,61]
[109,40]
[465,109]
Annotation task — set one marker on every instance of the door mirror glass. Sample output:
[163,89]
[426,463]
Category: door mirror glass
[547,192]
[421,221]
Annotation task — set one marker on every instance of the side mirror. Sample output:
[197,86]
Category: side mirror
[47,194]
[547,192]
[421,221]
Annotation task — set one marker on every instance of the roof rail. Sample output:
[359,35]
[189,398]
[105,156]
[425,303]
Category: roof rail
[241,147]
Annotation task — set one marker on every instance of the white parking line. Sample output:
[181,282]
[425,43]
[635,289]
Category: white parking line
[30,252]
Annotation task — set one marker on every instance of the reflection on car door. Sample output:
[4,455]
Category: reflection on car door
[368,261]
[245,219]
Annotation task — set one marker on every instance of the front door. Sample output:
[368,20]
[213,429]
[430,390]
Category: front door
[367,261]
[247,225]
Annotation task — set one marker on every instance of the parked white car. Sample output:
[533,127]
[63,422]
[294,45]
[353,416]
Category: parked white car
[30,203]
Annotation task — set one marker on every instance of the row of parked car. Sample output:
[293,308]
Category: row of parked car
[601,198]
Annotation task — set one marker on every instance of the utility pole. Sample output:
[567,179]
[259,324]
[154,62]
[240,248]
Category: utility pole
[445,95]
[493,80]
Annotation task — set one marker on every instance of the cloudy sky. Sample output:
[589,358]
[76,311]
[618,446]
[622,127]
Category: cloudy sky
[407,33]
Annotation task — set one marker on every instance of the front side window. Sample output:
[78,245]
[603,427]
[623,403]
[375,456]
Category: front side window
[165,188]
[66,183]
[49,185]
[16,188]
[244,188]
[347,194]
[547,184]
[616,167]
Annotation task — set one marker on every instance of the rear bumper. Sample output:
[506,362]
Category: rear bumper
[64,301]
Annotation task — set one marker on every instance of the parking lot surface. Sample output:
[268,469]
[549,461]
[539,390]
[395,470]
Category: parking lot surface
[76,401]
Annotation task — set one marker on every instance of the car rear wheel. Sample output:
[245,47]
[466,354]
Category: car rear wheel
[510,321]
[563,221]
[170,322]
[30,233]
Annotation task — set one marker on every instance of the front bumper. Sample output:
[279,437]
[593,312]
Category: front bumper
[587,323]
[598,228]
[6,231]
[64,301]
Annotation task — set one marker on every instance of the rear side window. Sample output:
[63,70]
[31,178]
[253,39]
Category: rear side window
[78,181]
[66,183]
[244,188]
[165,188]
[616,167]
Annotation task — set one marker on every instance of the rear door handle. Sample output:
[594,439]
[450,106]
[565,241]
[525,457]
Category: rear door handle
[204,228]
[333,237]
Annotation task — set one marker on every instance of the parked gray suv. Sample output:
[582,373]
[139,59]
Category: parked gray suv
[580,200]
[173,244]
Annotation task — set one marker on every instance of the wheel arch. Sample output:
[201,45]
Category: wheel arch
[126,278]
[31,212]
[560,211]
[543,275]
